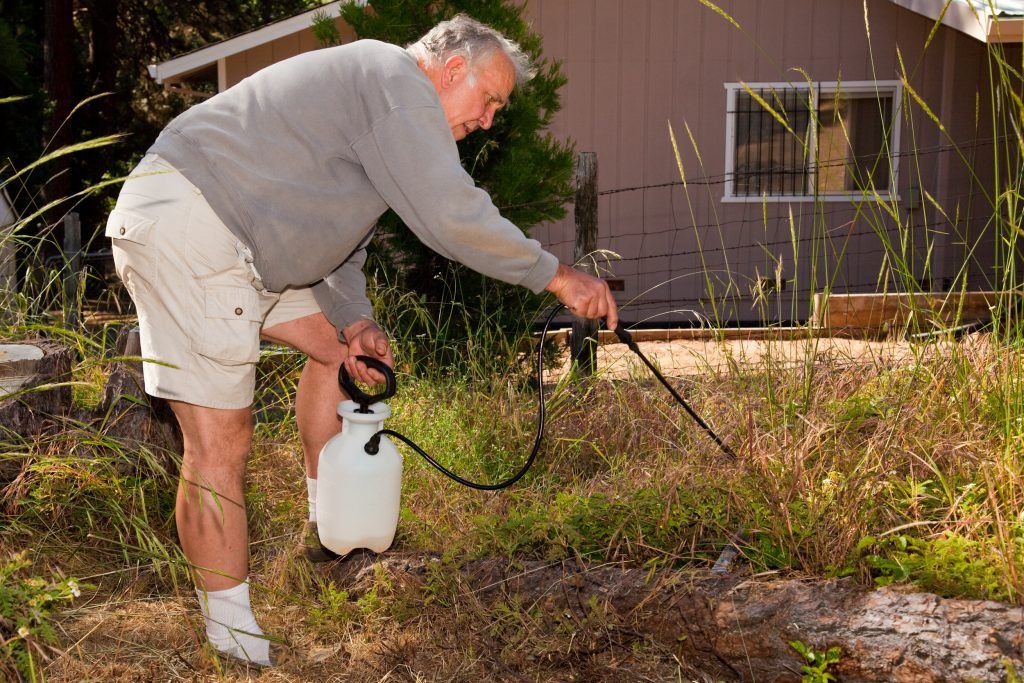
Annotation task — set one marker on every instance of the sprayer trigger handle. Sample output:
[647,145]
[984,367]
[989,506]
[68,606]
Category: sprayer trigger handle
[358,395]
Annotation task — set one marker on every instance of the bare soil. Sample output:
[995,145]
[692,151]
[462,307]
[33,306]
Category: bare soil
[695,357]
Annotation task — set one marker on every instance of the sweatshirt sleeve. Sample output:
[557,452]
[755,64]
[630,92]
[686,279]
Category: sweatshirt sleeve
[342,294]
[411,158]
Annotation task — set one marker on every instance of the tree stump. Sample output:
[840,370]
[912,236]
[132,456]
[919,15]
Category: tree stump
[133,415]
[28,405]
[736,628]
[25,367]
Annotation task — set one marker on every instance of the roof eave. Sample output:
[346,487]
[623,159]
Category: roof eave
[1007,30]
[956,15]
[211,54]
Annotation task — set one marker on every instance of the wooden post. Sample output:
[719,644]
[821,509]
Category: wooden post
[8,255]
[72,268]
[583,341]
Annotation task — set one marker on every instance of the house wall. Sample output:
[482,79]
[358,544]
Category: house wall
[635,67]
[242,64]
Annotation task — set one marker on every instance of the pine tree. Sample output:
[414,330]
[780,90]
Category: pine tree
[526,171]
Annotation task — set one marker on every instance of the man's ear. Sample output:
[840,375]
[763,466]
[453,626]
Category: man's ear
[454,69]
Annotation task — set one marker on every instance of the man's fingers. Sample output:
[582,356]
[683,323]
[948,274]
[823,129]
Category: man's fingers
[612,315]
[369,376]
[585,296]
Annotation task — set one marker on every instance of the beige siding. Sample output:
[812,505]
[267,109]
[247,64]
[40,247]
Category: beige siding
[246,63]
[636,66]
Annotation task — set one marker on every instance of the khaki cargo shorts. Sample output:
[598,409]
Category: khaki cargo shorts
[200,302]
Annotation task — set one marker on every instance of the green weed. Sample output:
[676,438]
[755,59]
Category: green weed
[950,565]
[818,663]
[28,606]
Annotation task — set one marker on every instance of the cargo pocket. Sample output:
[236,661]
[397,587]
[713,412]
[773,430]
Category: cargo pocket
[122,225]
[135,264]
[231,325]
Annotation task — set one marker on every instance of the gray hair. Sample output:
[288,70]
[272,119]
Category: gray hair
[468,38]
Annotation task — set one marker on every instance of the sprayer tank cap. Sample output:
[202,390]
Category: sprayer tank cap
[350,411]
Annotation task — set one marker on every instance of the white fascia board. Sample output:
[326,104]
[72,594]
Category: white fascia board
[213,53]
[959,15]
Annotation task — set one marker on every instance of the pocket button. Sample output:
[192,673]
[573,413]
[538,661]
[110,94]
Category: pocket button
[238,311]
[122,230]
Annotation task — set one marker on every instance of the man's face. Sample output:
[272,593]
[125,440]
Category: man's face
[471,97]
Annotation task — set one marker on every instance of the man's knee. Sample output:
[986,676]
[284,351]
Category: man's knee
[214,435]
[314,336]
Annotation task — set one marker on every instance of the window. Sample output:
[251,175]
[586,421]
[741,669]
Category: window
[777,150]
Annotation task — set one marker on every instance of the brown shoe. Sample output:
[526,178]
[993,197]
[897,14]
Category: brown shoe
[312,548]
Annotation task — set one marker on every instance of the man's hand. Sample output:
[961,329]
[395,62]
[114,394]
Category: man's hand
[364,338]
[584,295]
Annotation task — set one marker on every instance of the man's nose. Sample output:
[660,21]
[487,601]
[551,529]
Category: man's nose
[487,119]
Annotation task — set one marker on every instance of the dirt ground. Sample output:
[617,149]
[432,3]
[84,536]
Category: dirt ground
[695,357]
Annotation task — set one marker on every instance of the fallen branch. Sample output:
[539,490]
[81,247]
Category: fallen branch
[740,628]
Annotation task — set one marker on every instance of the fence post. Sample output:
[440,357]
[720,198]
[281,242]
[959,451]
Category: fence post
[72,267]
[583,341]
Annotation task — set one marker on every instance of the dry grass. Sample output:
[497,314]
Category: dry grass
[837,461]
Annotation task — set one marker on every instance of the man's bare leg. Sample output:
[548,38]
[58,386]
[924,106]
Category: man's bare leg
[212,525]
[210,510]
[318,393]
[316,401]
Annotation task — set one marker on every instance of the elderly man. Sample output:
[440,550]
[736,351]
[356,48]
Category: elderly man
[248,218]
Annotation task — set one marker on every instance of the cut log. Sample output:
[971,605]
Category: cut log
[738,628]
[26,410]
[17,365]
[133,415]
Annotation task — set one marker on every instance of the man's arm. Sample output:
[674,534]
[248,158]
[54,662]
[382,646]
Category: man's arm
[342,294]
[410,157]
[342,299]
[412,161]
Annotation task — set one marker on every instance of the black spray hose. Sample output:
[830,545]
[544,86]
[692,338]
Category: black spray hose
[626,338]
[373,445]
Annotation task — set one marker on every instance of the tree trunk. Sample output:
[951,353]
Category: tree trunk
[58,67]
[105,41]
[133,415]
[736,628]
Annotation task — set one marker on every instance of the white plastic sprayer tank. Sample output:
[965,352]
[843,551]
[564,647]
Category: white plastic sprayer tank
[358,495]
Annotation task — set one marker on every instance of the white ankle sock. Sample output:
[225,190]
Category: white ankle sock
[231,626]
[311,497]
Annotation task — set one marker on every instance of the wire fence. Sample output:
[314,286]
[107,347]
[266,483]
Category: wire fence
[678,254]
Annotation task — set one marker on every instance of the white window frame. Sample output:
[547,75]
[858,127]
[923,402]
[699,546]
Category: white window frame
[819,88]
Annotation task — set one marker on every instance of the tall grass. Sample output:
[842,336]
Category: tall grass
[936,500]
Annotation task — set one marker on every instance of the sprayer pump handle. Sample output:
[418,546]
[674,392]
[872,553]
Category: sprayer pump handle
[358,395]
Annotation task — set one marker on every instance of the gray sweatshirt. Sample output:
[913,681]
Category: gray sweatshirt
[300,160]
